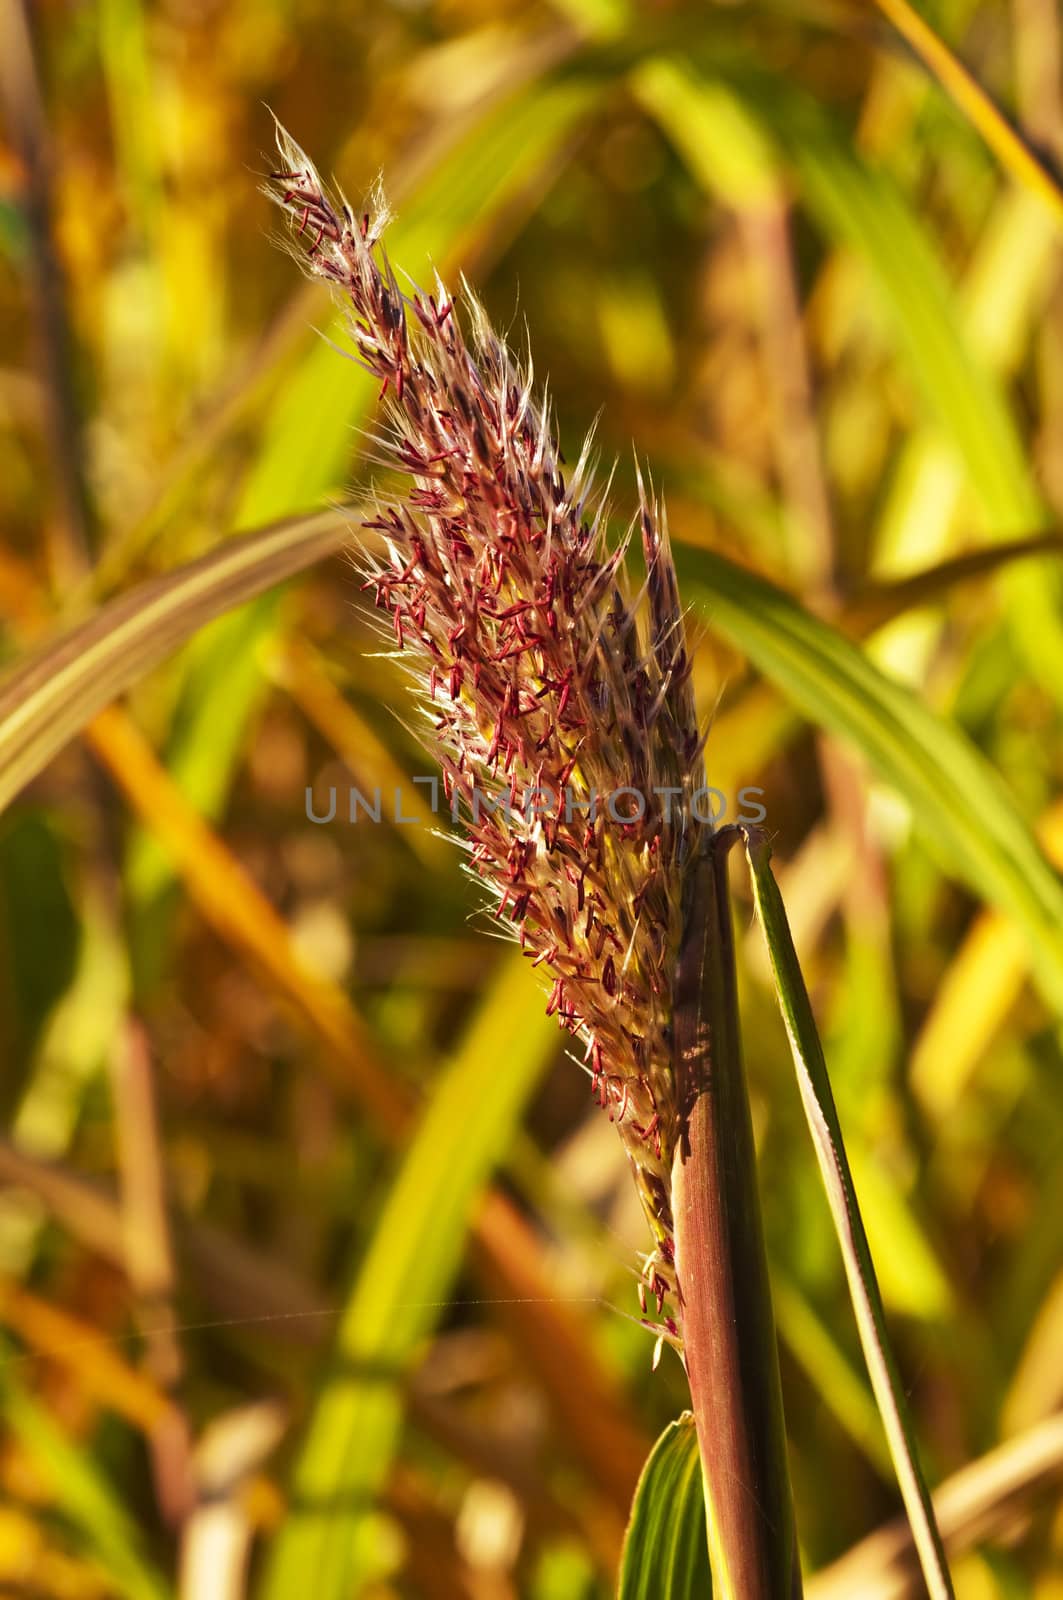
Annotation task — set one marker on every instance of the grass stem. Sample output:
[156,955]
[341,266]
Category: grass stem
[728,1327]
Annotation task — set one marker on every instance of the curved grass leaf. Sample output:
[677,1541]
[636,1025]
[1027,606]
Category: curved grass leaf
[879,602]
[47,699]
[818,1101]
[959,804]
[325,1546]
[665,1548]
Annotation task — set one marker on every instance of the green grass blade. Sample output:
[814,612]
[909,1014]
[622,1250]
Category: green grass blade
[83,1495]
[665,1548]
[401,1289]
[46,700]
[825,1128]
[958,802]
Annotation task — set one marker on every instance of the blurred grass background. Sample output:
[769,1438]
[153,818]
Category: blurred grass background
[264,1328]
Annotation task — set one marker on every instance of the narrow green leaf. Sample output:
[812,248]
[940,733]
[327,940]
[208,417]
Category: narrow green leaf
[401,1289]
[83,1495]
[665,1548]
[818,1100]
[959,803]
[52,695]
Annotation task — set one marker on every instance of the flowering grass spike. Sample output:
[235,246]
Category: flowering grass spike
[546,685]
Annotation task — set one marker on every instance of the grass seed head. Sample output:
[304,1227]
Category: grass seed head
[559,706]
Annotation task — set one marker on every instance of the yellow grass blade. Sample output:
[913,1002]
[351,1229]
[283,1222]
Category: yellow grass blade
[50,696]
[1009,148]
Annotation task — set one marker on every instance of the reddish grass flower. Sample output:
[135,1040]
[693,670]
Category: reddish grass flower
[559,706]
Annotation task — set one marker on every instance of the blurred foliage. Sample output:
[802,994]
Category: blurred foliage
[247,1256]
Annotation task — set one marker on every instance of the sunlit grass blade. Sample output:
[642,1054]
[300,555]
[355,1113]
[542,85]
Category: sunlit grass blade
[818,1100]
[51,696]
[959,804]
[103,1525]
[879,602]
[1010,149]
[1035,1389]
[998,301]
[665,1550]
[979,989]
[401,1290]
